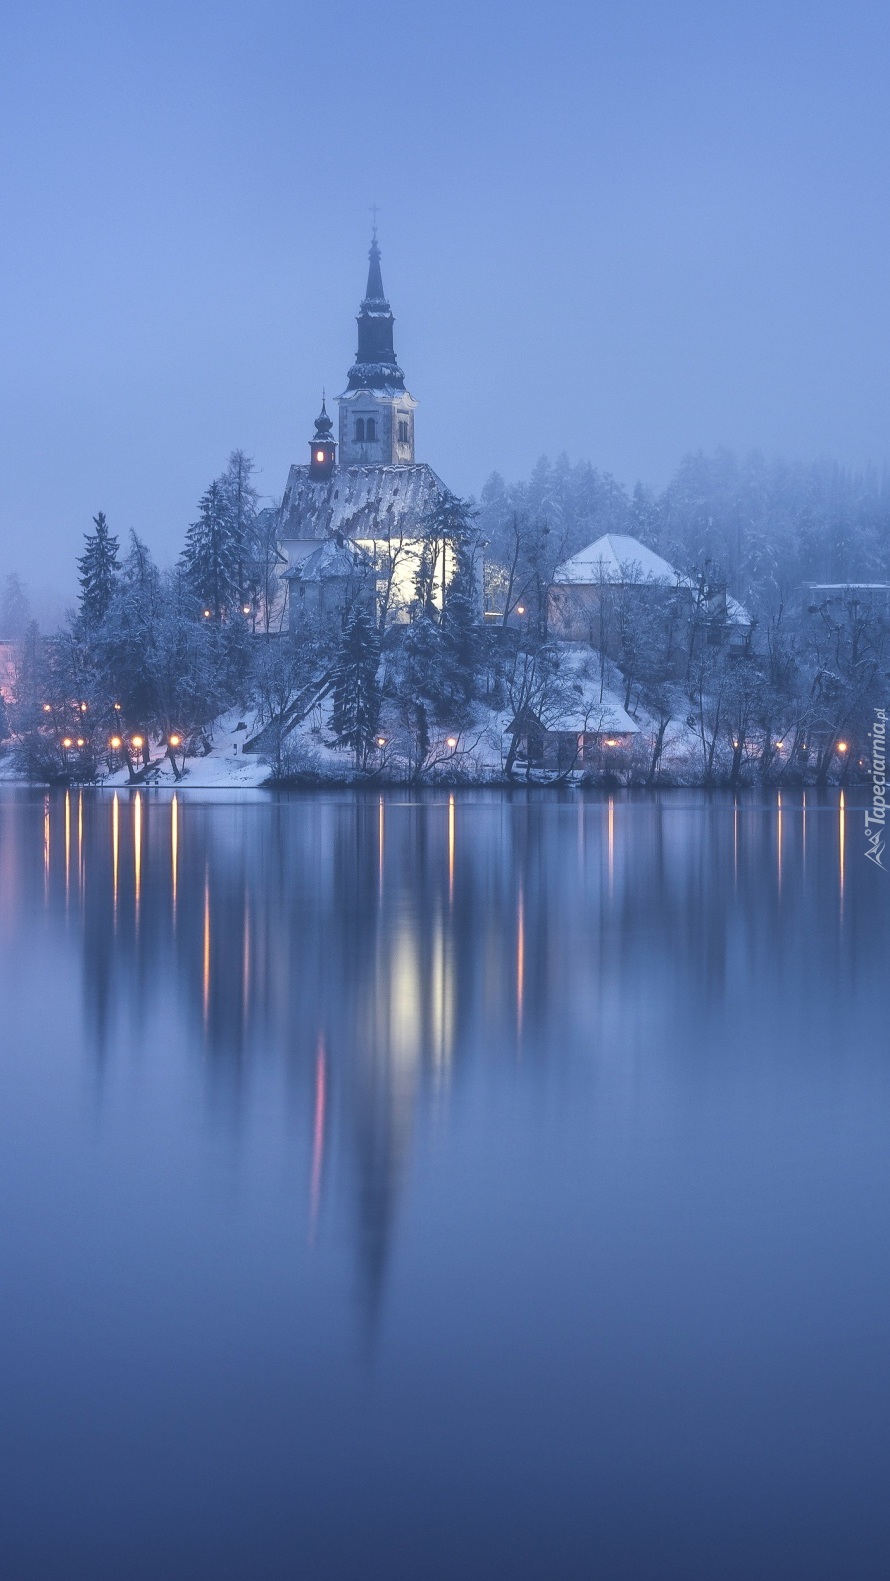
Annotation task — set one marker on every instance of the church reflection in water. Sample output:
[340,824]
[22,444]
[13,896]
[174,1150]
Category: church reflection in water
[378,947]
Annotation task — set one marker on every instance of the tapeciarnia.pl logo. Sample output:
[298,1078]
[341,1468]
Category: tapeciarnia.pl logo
[876,819]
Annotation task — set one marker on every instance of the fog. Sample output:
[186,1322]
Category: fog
[623,232]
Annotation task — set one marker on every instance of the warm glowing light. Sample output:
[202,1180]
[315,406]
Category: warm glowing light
[842,746]
[137,741]
[319,455]
[318,1130]
[779,745]
[47,708]
[174,847]
[451,846]
[174,740]
[381,741]
[80,741]
[205,973]
[520,609]
[137,852]
[115,743]
[611,742]
[115,847]
[245,609]
[207,614]
[736,745]
[83,708]
[67,742]
[451,741]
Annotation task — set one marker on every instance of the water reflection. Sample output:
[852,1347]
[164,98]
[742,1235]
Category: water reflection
[375,945]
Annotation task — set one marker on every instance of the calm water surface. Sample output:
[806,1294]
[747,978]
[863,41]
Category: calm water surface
[466,1187]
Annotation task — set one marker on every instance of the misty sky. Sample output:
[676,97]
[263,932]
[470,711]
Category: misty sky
[623,230]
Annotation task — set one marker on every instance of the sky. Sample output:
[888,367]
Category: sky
[624,231]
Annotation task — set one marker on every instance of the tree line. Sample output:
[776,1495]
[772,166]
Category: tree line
[151,658]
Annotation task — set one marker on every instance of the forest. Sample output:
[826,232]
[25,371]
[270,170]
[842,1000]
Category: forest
[152,658]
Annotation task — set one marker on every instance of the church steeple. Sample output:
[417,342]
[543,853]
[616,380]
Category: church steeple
[376,411]
[322,446]
[375,366]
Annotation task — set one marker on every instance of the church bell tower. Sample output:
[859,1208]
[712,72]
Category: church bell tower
[322,447]
[376,411]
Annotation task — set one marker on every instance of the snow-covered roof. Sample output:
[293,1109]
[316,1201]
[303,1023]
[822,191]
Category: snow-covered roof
[847,587]
[584,704]
[588,705]
[332,560]
[736,613]
[617,558]
[360,502]
[597,716]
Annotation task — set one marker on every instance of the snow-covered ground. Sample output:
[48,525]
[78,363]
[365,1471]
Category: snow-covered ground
[225,767]
[475,754]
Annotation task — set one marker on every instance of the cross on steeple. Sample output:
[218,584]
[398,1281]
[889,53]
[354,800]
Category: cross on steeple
[374,211]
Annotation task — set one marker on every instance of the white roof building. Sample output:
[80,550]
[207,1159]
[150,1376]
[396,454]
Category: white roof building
[617,558]
[620,560]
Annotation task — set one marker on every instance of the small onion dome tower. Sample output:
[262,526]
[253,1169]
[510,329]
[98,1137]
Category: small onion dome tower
[322,447]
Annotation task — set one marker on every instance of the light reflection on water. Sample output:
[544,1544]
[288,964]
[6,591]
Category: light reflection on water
[427,1115]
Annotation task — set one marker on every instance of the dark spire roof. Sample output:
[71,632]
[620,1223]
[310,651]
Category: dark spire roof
[375,366]
[374,292]
[323,424]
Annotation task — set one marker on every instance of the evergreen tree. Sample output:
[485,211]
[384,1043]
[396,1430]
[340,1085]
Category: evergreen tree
[126,638]
[462,630]
[211,558]
[97,574]
[356,707]
[15,610]
[241,498]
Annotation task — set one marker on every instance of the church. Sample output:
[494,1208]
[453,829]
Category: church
[364,517]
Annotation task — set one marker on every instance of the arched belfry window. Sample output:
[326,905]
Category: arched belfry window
[371,429]
[360,429]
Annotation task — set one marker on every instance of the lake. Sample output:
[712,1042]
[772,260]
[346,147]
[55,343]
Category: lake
[431,1186]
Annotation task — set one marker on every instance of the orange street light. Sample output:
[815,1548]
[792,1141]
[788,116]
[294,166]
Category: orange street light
[611,742]
[174,740]
[83,708]
[381,741]
[520,609]
[137,741]
[207,614]
[117,707]
[67,742]
[81,742]
[842,746]
[47,708]
[451,741]
[115,743]
[245,609]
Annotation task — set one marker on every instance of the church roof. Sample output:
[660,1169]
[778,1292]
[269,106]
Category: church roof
[360,502]
[617,558]
[331,561]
